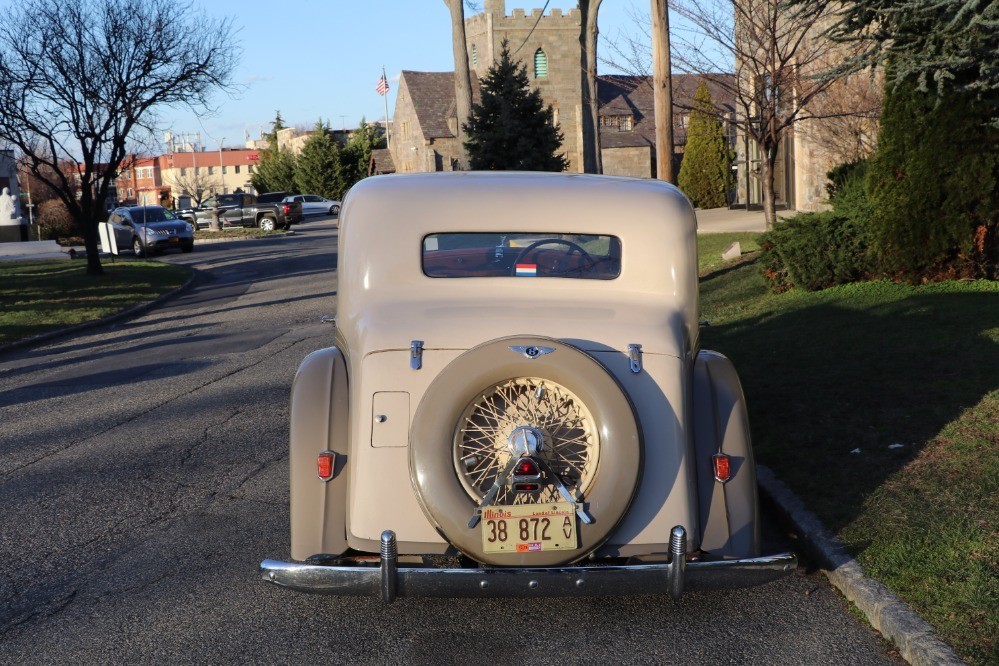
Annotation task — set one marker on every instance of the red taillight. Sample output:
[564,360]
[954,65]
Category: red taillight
[526,487]
[723,467]
[526,467]
[287,209]
[326,462]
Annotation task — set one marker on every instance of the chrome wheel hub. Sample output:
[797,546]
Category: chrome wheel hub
[525,416]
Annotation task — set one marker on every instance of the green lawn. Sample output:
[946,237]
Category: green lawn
[40,296]
[711,246]
[834,379]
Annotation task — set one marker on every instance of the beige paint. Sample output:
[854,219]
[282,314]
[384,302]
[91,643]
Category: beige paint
[319,420]
[385,302]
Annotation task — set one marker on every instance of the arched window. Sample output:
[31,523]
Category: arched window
[475,56]
[540,65]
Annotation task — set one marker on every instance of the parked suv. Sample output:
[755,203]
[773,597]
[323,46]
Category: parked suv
[150,228]
[515,382]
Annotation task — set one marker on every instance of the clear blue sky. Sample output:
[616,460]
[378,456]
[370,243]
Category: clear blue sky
[311,58]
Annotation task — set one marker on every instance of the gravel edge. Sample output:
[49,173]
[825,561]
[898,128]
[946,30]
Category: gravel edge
[887,613]
[135,309]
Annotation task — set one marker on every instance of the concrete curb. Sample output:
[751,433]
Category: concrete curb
[887,613]
[135,309]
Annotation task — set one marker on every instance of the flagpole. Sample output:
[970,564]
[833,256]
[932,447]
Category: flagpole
[388,135]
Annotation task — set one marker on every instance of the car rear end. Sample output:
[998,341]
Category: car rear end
[527,403]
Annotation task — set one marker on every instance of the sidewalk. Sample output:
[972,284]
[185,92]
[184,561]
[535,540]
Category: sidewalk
[718,220]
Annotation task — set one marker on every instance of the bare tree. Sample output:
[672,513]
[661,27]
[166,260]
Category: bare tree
[588,40]
[82,78]
[195,183]
[462,77]
[662,83]
[850,109]
[778,53]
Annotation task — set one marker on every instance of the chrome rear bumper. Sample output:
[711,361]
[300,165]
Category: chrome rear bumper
[390,580]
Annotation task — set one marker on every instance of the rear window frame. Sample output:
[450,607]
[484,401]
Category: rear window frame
[615,244]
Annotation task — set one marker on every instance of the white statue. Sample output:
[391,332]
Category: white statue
[8,209]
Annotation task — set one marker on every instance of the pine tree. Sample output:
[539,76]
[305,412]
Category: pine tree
[319,167]
[705,174]
[933,185]
[943,45]
[357,153]
[276,171]
[511,129]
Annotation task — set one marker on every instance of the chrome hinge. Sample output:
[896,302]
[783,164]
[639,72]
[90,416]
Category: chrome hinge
[635,354]
[416,354]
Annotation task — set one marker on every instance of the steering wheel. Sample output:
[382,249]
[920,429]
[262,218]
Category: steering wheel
[573,247]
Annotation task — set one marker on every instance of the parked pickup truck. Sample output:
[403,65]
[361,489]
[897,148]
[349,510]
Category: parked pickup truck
[243,210]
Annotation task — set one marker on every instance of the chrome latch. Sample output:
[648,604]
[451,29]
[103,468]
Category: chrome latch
[416,354]
[635,354]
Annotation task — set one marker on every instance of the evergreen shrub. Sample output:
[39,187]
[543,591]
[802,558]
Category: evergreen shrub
[705,175]
[933,186]
[814,251]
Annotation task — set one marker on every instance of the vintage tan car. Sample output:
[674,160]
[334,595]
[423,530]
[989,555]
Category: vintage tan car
[516,402]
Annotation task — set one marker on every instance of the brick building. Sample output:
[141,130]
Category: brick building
[169,179]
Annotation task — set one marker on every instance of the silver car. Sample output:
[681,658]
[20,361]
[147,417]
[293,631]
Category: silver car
[313,204]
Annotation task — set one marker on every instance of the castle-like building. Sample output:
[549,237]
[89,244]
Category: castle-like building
[424,128]
[425,122]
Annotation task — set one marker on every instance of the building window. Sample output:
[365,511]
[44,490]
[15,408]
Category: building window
[624,123]
[249,168]
[211,170]
[237,168]
[183,171]
[224,172]
[475,56]
[540,65]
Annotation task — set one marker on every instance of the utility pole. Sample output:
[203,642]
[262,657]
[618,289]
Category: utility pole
[662,84]
[222,166]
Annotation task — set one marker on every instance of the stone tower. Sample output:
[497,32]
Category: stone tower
[548,46]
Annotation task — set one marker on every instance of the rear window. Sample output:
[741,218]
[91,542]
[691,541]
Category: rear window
[522,255]
[271,197]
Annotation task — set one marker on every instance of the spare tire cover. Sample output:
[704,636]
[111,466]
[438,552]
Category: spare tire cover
[605,432]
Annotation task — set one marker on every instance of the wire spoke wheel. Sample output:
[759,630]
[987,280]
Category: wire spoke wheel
[483,439]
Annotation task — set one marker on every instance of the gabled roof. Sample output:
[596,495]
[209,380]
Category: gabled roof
[617,92]
[433,100]
[381,162]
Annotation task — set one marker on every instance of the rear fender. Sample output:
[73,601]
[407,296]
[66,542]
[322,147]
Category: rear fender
[729,512]
[319,411]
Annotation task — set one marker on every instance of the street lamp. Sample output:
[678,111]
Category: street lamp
[221,166]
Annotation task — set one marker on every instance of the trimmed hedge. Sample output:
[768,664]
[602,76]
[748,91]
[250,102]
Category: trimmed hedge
[815,250]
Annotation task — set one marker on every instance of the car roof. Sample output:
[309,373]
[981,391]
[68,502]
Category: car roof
[383,290]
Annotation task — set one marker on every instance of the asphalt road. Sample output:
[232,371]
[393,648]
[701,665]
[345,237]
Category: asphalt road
[144,475]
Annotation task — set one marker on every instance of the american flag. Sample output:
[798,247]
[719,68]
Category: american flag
[383,87]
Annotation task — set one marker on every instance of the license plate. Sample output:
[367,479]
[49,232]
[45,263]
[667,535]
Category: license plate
[529,528]
[174,240]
